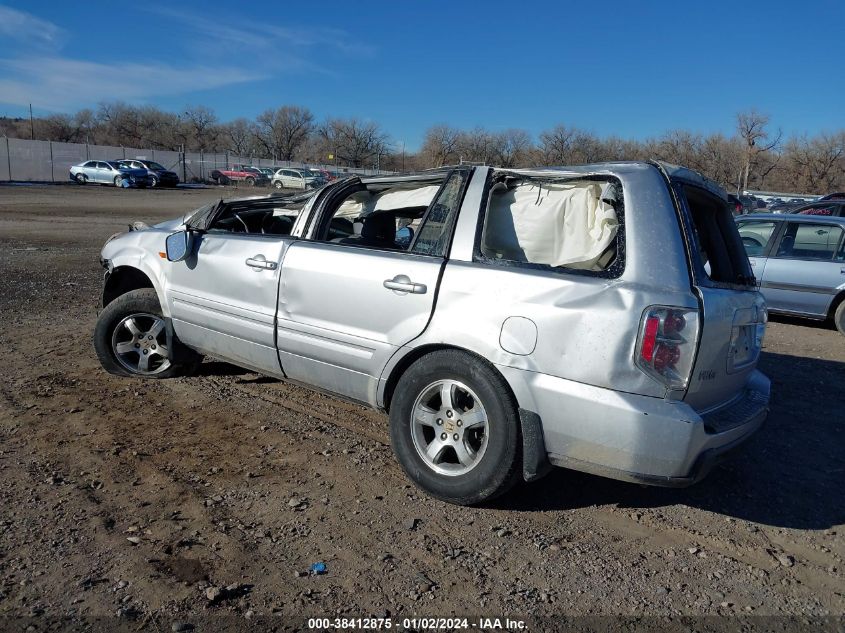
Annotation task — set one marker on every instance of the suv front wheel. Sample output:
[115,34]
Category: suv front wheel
[131,339]
[455,428]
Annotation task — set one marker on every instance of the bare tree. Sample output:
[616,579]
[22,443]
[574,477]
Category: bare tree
[121,124]
[557,145]
[816,165]
[283,131]
[476,146]
[511,148]
[752,130]
[354,142]
[202,127]
[440,145]
[239,136]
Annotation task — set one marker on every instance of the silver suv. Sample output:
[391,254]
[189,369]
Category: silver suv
[603,318]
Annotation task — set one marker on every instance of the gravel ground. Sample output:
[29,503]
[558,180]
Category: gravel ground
[204,501]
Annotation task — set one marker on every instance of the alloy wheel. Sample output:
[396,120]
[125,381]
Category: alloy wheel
[449,427]
[139,343]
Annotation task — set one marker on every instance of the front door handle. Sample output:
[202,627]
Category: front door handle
[259,262]
[403,283]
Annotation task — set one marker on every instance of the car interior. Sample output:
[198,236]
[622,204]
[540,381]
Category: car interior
[270,216]
[384,216]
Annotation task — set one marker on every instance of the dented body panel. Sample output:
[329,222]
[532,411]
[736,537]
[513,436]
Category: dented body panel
[566,341]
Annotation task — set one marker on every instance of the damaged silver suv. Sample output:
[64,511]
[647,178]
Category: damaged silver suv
[603,318]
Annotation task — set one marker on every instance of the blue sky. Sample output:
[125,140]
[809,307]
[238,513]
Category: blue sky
[633,69]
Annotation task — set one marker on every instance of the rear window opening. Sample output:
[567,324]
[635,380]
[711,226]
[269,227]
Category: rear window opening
[716,247]
[563,224]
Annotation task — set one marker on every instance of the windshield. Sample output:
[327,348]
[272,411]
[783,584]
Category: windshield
[115,165]
[153,165]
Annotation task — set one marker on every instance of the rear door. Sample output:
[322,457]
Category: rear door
[733,310]
[346,307]
[805,269]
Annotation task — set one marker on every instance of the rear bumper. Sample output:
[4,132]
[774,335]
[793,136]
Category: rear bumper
[640,438]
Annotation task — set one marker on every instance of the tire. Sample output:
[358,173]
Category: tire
[278,184]
[249,182]
[82,179]
[117,181]
[153,181]
[489,442]
[125,326]
[839,318]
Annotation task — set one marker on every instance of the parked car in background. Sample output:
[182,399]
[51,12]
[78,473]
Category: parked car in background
[446,299]
[267,171]
[839,195]
[250,176]
[290,178]
[749,204]
[735,204]
[831,207]
[159,175]
[783,207]
[109,172]
[799,263]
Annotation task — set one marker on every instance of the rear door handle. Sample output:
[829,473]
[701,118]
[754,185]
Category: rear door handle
[259,262]
[403,283]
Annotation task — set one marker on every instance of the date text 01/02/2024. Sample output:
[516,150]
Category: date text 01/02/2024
[420,623]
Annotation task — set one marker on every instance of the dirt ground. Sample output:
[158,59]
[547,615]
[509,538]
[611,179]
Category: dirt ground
[135,501]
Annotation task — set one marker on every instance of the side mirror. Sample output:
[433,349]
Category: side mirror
[178,246]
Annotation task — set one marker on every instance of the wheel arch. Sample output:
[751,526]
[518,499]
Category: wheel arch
[412,356]
[535,463]
[837,301]
[122,279]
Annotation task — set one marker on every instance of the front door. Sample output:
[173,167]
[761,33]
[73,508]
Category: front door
[222,299]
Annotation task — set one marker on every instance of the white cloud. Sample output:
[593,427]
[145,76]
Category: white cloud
[39,74]
[264,39]
[26,28]
[54,83]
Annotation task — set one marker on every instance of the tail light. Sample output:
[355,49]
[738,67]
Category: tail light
[666,344]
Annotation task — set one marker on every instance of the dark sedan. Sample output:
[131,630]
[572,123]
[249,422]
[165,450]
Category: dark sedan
[159,175]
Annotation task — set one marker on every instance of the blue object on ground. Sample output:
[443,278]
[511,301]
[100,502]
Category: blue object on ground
[318,568]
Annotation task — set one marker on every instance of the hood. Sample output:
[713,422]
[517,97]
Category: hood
[175,224]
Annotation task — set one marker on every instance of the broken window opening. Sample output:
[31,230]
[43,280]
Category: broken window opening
[564,224]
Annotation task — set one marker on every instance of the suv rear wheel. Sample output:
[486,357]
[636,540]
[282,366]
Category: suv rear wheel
[455,428]
[131,340]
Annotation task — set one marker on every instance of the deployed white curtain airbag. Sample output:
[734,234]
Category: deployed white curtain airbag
[549,223]
[365,203]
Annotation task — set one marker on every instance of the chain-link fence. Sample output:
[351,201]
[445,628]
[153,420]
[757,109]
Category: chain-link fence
[24,160]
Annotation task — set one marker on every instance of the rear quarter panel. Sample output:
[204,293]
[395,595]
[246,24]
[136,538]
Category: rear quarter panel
[586,326]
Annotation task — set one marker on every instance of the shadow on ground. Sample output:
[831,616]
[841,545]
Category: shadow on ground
[812,323]
[789,474]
